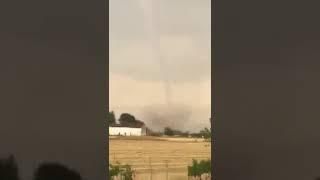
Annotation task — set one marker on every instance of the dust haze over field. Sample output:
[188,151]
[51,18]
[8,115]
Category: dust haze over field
[175,116]
[160,60]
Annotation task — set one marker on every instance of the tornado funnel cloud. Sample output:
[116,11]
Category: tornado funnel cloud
[147,7]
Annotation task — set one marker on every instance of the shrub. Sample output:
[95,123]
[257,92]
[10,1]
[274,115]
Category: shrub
[199,168]
[127,172]
[124,171]
[114,170]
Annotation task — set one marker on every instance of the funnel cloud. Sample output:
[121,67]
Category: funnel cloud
[147,7]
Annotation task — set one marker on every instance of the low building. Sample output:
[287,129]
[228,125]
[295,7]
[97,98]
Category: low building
[127,131]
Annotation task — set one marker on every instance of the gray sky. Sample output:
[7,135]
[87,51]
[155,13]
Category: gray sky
[181,31]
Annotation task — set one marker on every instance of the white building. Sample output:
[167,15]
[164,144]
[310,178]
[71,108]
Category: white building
[127,131]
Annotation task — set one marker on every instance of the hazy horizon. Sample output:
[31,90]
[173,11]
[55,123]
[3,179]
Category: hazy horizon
[160,62]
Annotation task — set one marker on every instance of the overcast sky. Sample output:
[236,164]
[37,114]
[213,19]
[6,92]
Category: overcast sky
[137,80]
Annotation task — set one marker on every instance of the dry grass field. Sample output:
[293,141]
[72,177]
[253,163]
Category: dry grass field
[155,158]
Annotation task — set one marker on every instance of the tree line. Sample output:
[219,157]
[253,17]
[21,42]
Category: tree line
[204,133]
[128,120]
[125,120]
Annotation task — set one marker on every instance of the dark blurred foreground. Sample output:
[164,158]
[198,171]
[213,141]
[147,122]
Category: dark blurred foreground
[45,171]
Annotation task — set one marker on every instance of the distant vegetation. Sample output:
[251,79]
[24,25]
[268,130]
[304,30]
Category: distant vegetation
[204,133]
[174,132]
[128,120]
[168,131]
[154,133]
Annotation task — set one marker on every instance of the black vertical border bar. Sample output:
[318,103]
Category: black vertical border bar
[107,86]
[213,89]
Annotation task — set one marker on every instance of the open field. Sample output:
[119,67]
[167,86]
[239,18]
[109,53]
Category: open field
[158,158]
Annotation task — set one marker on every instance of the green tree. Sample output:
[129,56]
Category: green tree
[126,118]
[129,120]
[111,118]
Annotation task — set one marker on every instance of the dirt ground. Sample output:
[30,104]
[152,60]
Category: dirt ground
[155,158]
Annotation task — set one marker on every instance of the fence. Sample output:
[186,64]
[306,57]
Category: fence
[153,169]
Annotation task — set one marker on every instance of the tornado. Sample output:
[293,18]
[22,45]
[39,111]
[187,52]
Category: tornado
[154,42]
